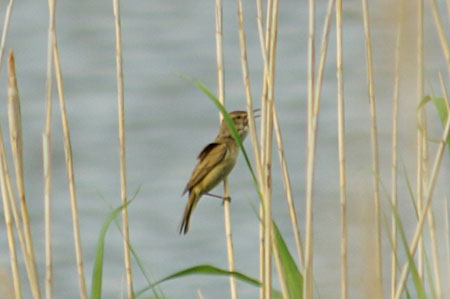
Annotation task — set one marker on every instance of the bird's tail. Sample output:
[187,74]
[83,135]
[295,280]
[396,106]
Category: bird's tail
[192,202]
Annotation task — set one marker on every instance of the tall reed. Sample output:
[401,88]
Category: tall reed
[123,168]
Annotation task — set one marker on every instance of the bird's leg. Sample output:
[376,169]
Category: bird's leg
[218,196]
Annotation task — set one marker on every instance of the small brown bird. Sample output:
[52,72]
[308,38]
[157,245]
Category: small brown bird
[216,161]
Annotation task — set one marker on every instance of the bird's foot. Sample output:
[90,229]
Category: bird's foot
[227,198]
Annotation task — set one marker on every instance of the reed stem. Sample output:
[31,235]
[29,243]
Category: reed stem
[123,169]
[374,141]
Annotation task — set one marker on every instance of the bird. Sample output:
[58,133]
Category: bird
[215,162]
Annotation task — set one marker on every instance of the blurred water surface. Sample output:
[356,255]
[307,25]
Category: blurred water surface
[168,120]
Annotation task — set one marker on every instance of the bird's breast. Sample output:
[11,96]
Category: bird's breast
[220,171]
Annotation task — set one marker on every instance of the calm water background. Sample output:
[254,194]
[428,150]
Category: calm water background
[168,120]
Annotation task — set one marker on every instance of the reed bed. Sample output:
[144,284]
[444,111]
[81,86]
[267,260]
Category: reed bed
[414,263]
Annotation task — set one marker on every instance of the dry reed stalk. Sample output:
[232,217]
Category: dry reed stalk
[447,243]
[320,71]
[46,157]
[428,197]
[248,91]
[313,114]
[394,145]
[70,171]
[69,160]
[47,160]
[5,30]
[6,183]
[16,216]
[421,123]
[288,189]
[268,43]
[447,2]
[15,129]
[267,123]
[444,91]
[374,141]
[221,97]
[341,149]
[4,174]
[6,188]
[262,41]
[434,254]
[123,179]
[308,271]
[441,33]
[200,294]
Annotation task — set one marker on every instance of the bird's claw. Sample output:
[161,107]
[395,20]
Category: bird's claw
[226,199]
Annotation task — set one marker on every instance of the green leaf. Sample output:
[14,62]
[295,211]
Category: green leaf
[441,107]
[97,273]
[418,284]
[208,270]
[294,278]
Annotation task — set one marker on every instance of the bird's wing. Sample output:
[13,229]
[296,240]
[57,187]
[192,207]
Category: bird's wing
[209,157]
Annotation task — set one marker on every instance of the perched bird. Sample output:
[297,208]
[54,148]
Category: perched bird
[215,162]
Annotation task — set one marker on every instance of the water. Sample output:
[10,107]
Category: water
[168,120]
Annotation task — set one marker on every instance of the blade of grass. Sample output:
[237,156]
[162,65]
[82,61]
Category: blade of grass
[208,270]
[134,254]
[412,266]
[294,278]
[97,273]
[441,106]
[390,240]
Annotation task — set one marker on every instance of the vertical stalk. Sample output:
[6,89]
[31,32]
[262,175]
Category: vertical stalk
[248,91]
[341,149]
[46,150]
[5,30]
[394,146]
[308,272]
[221,96]
[123,169]
[420,138]
[441,33]
[374,141]
[46,157]
[266,135]
[271,42]
[70,175]
[5,183]
[262,40]
[288,189]
[447,242]
[8,221]
[70,170]
[15,129]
